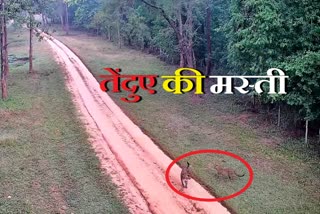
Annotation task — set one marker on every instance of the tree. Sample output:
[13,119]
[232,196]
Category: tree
[8,9]
[281,34]
[181,21]
[30,44]
[66,17]
[4,52]
[84,11]
[208,37]
[305,85]
[165,28]
[32,7]
[62,8]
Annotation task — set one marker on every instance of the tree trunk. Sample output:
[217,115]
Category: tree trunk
[183,31]
[279,115]
[62,22]
[194,58]
[208,35]
[46,20]
[67,19]
[6,58]
[306,132]
[189,35]
[109,33]
[180,39]
[4,54]
[190,59]
[182,60]
[44,24]
[30,46]
[119,36]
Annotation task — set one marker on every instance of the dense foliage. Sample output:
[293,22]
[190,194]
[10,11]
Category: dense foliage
[284,34]
[245,36]
[218,37]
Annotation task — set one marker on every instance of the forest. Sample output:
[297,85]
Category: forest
[215,36]
[66,146]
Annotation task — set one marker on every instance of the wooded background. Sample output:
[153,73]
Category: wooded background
[215,36]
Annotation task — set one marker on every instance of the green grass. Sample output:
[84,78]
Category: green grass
[286,173]
[46,162]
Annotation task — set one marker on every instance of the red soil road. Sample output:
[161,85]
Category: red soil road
[136,165]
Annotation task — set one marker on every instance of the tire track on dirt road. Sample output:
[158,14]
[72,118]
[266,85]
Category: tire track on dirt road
[136,165]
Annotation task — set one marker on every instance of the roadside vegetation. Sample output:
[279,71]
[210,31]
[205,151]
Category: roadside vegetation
[286,171]
[237,37]
[46,162]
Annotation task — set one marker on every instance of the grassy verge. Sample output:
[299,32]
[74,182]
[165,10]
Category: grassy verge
[286,173]
[46,164]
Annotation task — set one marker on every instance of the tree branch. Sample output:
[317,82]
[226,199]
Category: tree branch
[167,18]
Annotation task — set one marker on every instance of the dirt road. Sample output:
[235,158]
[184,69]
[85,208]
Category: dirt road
[137,166]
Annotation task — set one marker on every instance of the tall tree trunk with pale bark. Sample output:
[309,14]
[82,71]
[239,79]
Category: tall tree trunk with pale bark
[67,19]
[62,22]
[306,132]
[62,14]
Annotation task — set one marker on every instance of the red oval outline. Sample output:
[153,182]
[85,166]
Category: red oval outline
[210,151]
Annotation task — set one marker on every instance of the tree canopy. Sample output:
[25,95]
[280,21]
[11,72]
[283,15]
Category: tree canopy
[221,37]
